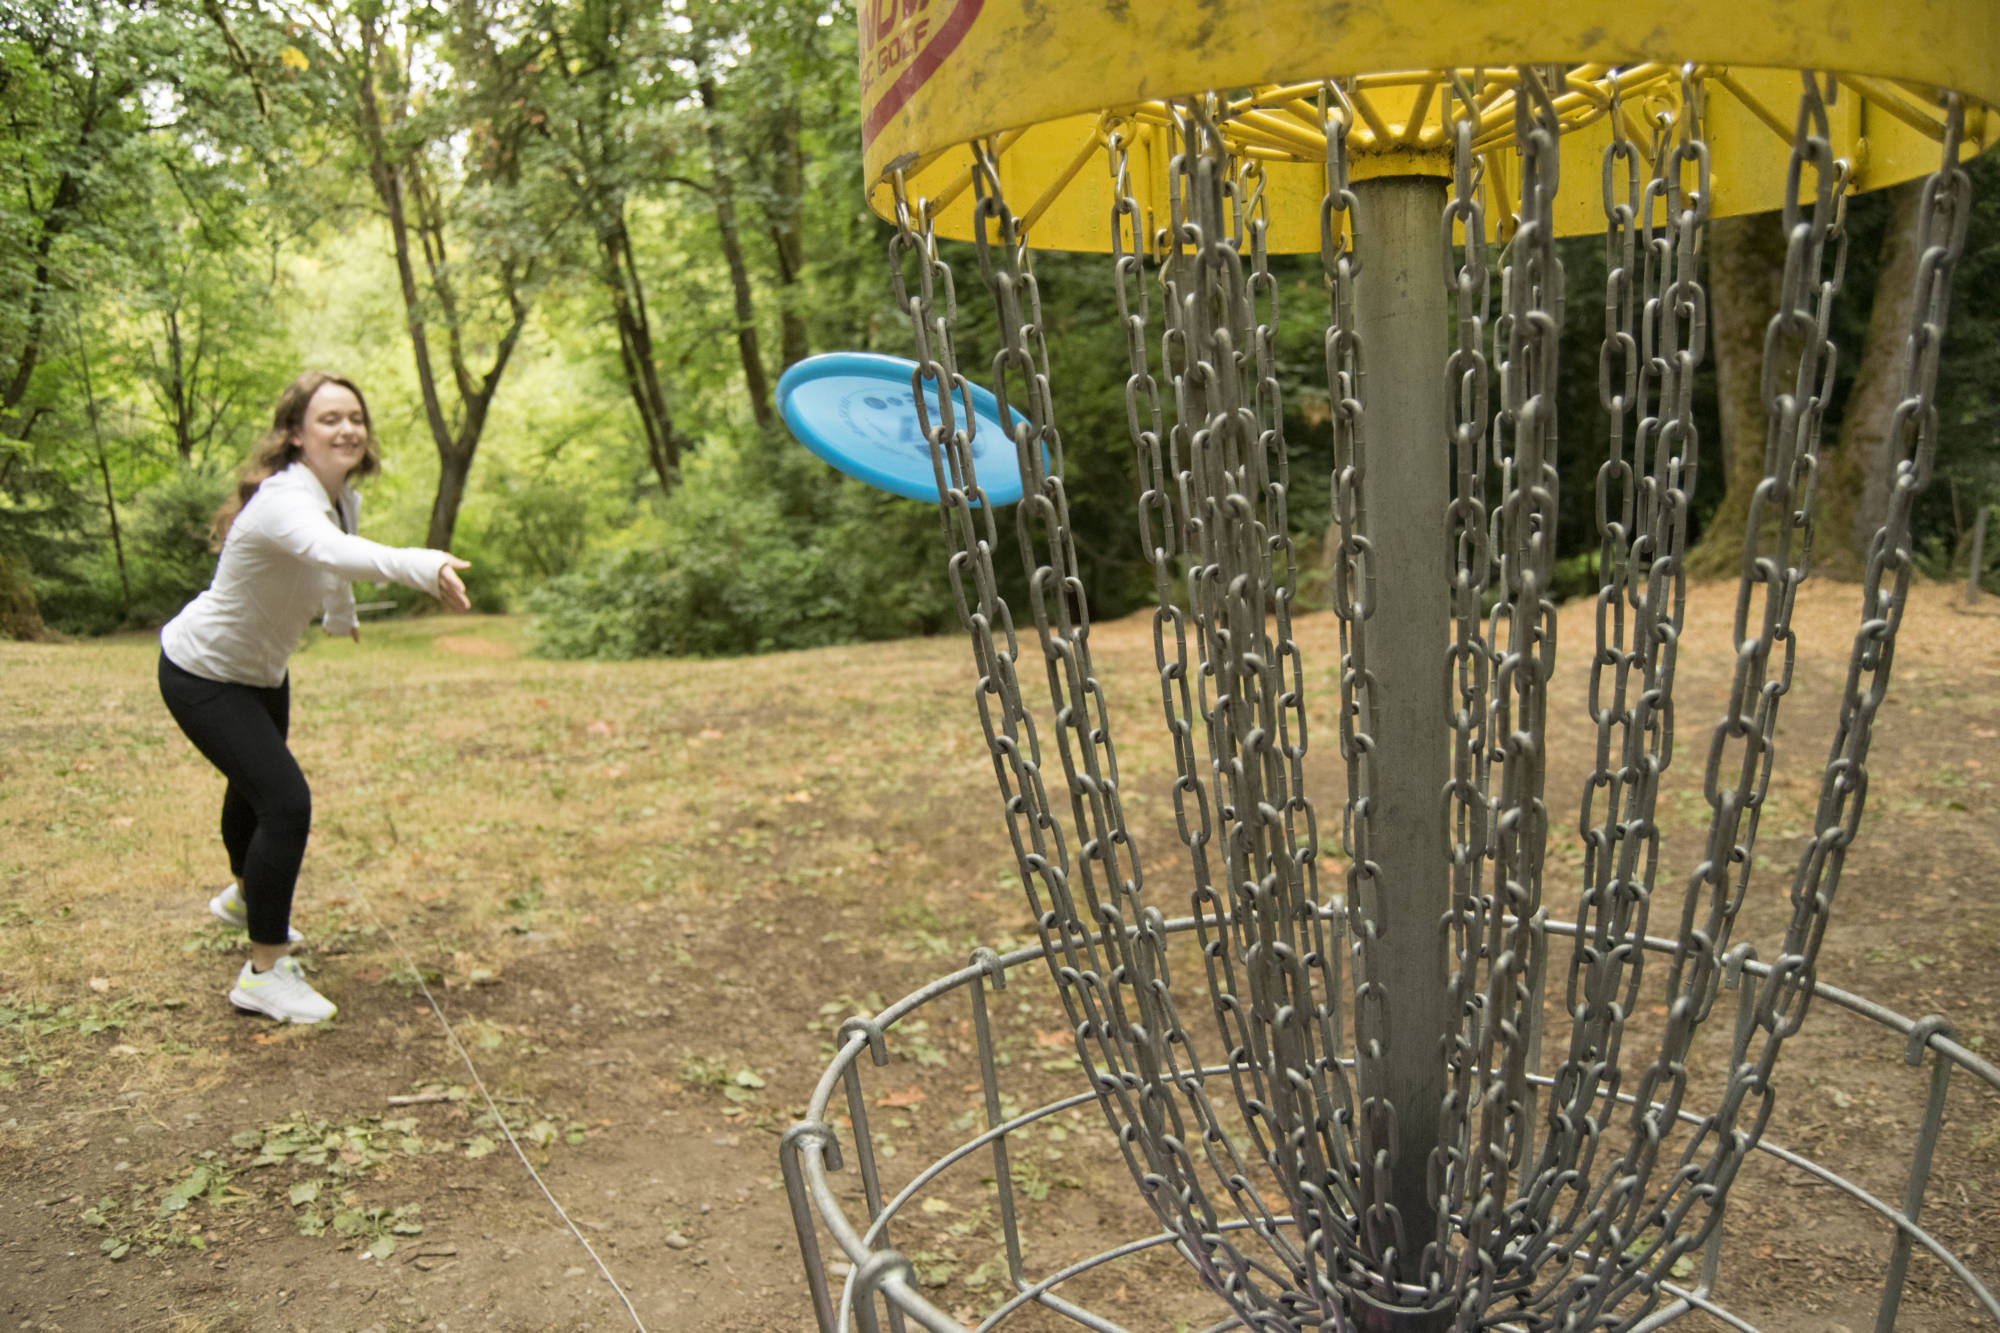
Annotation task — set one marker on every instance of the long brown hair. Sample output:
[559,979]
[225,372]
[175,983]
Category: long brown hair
[278,448]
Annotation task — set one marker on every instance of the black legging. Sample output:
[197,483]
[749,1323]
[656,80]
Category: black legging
[267,809]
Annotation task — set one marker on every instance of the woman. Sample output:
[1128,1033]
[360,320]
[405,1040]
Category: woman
[288,550]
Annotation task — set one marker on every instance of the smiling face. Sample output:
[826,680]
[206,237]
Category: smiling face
[333,437]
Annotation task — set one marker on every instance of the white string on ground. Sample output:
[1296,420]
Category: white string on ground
[494,1109]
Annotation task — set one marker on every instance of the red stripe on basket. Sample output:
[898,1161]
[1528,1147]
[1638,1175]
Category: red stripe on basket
[943,42]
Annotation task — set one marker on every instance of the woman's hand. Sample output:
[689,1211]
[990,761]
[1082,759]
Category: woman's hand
[451,588]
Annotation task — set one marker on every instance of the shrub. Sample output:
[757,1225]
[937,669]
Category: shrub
[760,549]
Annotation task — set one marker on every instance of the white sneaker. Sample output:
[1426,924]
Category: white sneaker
[282,993]
[227,907]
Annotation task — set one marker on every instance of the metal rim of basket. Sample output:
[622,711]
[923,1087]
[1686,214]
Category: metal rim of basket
[811,1150]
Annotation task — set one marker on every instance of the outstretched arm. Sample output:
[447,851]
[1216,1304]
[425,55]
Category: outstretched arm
[298,526]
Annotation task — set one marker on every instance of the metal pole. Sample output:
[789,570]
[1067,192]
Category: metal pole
[1404,323]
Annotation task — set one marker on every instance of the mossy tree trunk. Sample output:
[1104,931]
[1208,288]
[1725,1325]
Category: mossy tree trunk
[1854,497]
[1746,267]
[20,615]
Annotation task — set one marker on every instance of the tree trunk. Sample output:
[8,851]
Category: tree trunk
[1746,267]
[178,389]
[111,508]
[455,455]
[635,349]
[388,184]
[68,196]
[20,616]
[454,466]
[788,234]
[739,274]
[104,471]
[455,448]
[1854,495]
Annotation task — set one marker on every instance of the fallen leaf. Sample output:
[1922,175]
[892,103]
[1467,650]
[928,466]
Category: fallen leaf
[1054,1039]
[907,1097]
[100,984]
[599,728]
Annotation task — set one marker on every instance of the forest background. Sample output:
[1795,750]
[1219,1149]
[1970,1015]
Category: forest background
[567,247]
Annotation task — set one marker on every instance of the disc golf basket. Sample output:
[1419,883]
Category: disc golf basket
[1405,1101]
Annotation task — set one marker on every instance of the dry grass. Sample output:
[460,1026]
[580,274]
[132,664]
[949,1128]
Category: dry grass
[812,826]
[530,794]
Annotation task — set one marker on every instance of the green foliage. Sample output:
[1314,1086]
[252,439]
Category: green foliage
[169,526]
[190,201]
[744,563]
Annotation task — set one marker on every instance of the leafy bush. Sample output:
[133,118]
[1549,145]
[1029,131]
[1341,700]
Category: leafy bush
[167,561]
[756,552]
[167,543]
[745,588]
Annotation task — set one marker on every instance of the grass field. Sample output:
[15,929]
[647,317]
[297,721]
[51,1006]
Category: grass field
[646,894]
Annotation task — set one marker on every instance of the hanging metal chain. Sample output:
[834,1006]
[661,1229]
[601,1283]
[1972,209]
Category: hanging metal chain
[1158,523]
[1231,482]
[1642,508]
[1469,660]
[1041,849]
[1127,1032]
[1352,590]
[1231,471]
[1636,1227]
[1499,1022]
[1944,213]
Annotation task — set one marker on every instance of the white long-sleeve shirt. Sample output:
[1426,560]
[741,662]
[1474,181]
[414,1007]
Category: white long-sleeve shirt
[289,554]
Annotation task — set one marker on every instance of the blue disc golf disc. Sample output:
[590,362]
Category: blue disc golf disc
[857,410]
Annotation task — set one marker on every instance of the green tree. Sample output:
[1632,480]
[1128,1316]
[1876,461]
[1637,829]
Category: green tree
[607,91]
[431,103]
[111,113]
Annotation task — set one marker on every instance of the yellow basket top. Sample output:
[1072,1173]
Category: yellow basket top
[1051,82]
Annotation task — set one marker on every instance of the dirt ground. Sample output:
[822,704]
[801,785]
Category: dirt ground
[647,894]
